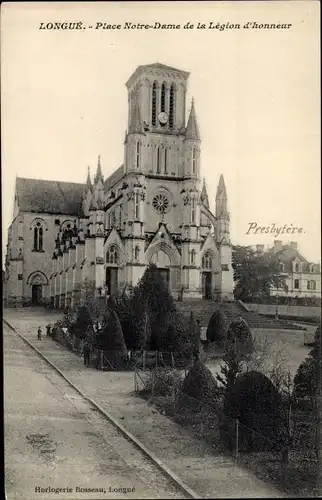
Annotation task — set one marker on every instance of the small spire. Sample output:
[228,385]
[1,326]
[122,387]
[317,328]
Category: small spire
[99,175]
[192,130]
[204,194]
[221,189]
[88,181]
[136,126]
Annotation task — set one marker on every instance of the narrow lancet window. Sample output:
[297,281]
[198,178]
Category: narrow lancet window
[171,107]
[163,97]
[166,161]
[154,104]
[158,160]
[194,161]
[137,155]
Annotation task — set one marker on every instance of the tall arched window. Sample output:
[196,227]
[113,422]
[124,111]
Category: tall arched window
[193,211]
[158,160]
[154,104]
[38,237]
[136,253]
[296,284]
[112,255]
[136,206]
[194,160]
[312,268]
[163,97]
[297,268]
[192,257]
[207,261]
[165,161]
[137,155]
[171,107]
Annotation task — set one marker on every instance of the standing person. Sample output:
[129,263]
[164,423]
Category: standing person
[39,333]
[48,327]
[86,353]
[197,340]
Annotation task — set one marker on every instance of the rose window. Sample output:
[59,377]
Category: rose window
[160,203]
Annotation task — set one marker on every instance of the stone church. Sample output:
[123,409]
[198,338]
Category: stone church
[66,237]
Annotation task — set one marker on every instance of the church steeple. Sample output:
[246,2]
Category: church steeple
[192,130]
[204,195]
[99,175]
[136,126]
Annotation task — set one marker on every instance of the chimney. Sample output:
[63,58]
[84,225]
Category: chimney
[277,245]
[294,245]
[260,249]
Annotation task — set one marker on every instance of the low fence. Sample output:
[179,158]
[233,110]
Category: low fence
[286,310]
[231,435]
[113,360]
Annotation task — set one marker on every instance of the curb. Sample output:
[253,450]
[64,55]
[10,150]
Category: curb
[161,466]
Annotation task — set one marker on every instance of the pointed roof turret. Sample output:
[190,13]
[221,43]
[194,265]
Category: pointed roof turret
[192,130]
[88,180]
[99,175]
[221,189]
[136,126]
[204,194]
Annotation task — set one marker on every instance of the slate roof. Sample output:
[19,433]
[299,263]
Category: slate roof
[40,196]
[287,255]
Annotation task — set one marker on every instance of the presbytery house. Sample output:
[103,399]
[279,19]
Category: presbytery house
[154,208]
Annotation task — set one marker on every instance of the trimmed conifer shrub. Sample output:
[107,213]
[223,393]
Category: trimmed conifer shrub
[239,337]
[153,310]
[111,338]
[83,323]
[217,328]
[199,384]
[257,404]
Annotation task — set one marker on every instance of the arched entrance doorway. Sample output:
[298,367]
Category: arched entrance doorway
[38,281]
[162,261]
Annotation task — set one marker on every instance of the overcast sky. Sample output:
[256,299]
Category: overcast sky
[257,98]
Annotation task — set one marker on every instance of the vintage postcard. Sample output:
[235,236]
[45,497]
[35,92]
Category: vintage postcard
[161,249]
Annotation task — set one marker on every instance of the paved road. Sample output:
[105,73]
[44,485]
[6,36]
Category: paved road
[55,439]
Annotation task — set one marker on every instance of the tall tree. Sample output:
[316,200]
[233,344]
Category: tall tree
[154,310]
[254,274]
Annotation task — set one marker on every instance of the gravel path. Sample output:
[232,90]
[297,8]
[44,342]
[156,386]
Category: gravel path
[55,439]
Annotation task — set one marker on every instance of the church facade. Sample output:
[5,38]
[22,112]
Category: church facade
[66,237]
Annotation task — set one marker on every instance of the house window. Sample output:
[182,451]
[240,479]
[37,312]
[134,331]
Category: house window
[192,257]
[193,211]
[137,155]
[171,107]
[165,161]
[207,261]
[296,284]
[312,268]
[154,103]
[20,277]
[297,268]
[163,97]
[311,285]
[136,206]
[194,162]
[38,237]
[158,160]
[57,222]
[112,256]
